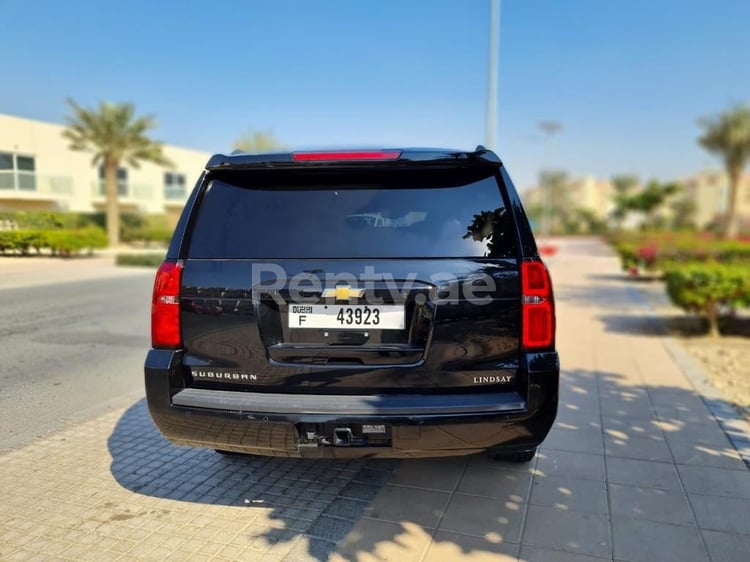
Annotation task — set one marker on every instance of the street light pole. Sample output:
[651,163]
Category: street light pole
[549,128]
[494,48]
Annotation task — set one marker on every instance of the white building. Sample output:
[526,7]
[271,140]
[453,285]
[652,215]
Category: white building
[39,172]
[709,191]
[586,192]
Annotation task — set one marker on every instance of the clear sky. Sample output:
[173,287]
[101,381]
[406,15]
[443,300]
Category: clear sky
[628,79]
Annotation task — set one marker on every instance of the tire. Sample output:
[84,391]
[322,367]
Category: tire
[517,456]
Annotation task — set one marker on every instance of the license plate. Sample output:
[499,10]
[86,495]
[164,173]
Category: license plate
[354,316]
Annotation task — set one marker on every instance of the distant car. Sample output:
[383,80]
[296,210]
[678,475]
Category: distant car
[368,219]
[382,303]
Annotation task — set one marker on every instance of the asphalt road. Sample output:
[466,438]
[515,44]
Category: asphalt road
[69,351]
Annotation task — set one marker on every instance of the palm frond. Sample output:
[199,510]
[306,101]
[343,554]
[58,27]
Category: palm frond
[728,136]
[114,133]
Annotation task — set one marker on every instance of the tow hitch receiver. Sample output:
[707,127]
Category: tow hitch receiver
[342,437]
[349,435]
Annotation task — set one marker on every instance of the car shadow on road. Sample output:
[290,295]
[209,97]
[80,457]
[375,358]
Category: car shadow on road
[283,496]
[481,506]
[679,325]
[623,277]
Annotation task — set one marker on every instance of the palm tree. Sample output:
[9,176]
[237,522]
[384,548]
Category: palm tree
[728,135]
[114,134]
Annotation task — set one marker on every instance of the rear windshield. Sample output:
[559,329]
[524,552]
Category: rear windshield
[378,215]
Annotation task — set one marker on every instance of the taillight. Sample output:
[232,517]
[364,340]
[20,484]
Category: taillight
[538,306]
[165,307]
[348,155]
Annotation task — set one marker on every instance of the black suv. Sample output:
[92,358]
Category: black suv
[380,303]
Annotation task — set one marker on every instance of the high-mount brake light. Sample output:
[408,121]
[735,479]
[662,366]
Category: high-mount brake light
[538,306]
[166,332]
[347,155]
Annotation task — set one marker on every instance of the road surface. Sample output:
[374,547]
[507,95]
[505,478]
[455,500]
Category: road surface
[70,350]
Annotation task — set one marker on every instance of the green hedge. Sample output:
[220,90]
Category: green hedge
[64,242]
[653,255]
[67,242]
[149,229]
[709,288]
[49,220]
[134,227]
[145,260]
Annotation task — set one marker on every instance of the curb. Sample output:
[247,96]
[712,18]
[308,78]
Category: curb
[731,422]
[735,427]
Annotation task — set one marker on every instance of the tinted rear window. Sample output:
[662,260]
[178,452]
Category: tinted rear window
[378,215]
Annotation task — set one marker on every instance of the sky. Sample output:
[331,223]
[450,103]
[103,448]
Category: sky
[628,80]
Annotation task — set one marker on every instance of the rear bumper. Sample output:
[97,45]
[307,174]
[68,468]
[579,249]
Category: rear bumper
[420,426]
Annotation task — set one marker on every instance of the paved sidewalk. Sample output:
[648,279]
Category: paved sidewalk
[32,271]
[636,468]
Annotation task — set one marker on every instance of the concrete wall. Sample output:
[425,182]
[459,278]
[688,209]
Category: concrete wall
[586,192]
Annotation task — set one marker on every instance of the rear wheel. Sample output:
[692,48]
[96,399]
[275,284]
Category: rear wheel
[516,456]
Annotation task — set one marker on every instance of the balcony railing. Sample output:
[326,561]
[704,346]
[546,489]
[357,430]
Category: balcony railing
[175,194]
[126,190]
[19,183]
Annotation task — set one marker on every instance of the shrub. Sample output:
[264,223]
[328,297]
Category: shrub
[134,227]
[60,231]
[656,251]
[64,242]
[144,260]
[69,242]
[628,254]
[148,229]
[707,288]
[21,241]
[93,237]
[47,220]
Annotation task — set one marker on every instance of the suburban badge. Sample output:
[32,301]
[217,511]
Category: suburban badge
[223,376]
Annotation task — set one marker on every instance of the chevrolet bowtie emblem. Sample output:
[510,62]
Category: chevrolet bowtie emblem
[343,292]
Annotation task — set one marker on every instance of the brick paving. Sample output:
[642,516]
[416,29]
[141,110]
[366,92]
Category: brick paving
[636,468]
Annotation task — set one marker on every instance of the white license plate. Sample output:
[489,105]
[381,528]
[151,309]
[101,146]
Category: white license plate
[354,316]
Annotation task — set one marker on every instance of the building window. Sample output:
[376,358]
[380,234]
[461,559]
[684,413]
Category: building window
[122,182]
[174,186]
[17,171]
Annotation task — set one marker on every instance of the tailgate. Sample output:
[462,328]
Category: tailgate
[239,333]
[380,280]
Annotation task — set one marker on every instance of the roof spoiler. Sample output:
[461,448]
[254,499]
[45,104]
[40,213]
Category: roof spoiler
[407,158]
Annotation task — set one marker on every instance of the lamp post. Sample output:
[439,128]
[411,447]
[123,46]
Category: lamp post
[549,128]
[494,47]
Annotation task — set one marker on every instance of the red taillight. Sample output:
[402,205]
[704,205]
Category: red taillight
[538,329]
[165,307]
[348,155]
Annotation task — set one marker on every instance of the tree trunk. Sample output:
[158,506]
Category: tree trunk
[730,226]
[113,210]
[712,314]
